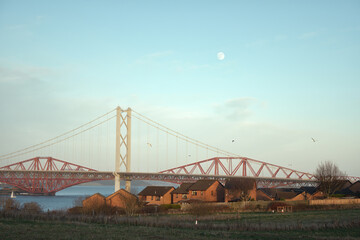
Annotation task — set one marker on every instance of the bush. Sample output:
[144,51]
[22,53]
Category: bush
[10,205]
[301,207]
[337,195]
[201,209]
[31,207]
[151,209]
[94,208]
[75,210]
[171,206]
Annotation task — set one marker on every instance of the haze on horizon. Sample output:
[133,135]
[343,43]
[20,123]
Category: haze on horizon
[290,73]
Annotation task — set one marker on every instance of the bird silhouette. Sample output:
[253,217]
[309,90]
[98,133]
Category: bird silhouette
[149,144]
[313,139]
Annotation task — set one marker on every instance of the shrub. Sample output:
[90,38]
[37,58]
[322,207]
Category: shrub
[31,207]
[131,206]
[301,207]
[94,208]
[201,209]
[151,209]
[11,205]
[171,206]
[75,210]
[337,195]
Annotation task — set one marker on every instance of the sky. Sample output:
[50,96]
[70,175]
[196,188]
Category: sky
[290,73]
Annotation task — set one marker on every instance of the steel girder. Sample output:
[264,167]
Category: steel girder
[26,175]
[49,175]
[64,177]
[240,166]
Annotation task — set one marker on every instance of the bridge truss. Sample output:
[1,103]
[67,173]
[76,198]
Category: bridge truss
[241,167]
[46,175]
[29,175]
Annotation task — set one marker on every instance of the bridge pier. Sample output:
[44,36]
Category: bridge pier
[123,145]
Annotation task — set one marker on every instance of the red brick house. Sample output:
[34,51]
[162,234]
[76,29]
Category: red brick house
[265,194]
[202,190]
[95,201]
[291,196]
[355,188]
[317,195]
[262,196]
[240,190]
[156,195]
[285,194]
[181,193]
[121,199]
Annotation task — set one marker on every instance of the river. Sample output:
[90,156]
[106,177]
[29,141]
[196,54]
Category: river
[70,197]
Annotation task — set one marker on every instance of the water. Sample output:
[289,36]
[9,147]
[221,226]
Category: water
[70,197]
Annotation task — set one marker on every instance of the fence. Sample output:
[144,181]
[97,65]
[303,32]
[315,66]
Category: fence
[334,201]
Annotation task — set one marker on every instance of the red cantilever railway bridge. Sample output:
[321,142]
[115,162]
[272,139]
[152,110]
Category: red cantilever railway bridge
[47,175]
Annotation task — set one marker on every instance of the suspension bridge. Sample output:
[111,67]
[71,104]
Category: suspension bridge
[142,149]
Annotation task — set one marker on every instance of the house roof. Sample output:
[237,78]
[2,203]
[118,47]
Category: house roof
[261,195]
[122,192]
[355,187]
[239,183]
[296,190]
[310,190]
[346,184]
[286,195]
[182,189]
[202,185]
[271,192]
[282,193]
[345,191]
[155,191]
[96,194]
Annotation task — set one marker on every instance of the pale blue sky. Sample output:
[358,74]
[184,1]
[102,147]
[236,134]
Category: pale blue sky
[291,72]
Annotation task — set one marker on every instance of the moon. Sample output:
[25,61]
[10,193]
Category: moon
[221,56]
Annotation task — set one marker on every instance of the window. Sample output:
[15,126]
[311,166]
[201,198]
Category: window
[212,193]
[176,195]
[157,198]
[184,196]
[202,193]
[152,197]
[194,193]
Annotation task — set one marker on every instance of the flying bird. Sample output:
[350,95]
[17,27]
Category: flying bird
[149,144]
[233,140]
[313,139]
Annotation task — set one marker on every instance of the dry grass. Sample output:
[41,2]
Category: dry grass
[21,229]
[341,223]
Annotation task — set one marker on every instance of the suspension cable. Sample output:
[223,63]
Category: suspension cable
[59,141]
[54,138]
[181,136]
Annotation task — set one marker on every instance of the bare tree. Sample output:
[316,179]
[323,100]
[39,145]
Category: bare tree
[131,205]
[330,178]
[240,189]
[31,207]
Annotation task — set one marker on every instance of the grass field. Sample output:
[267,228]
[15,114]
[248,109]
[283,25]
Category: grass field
[331,224]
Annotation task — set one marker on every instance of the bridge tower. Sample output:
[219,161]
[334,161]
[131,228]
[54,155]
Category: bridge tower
[123,145]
